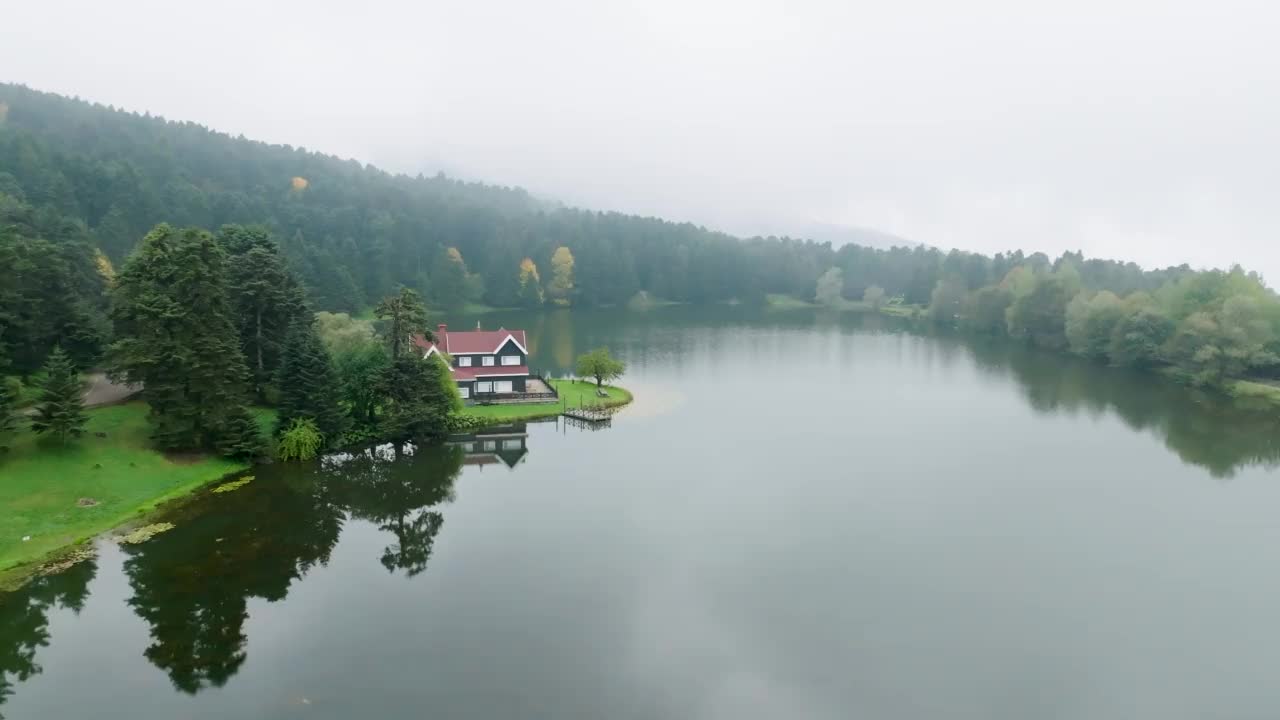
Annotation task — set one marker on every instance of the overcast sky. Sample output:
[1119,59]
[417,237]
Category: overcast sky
[1140,130]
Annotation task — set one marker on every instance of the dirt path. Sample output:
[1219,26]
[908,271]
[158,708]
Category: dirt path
[101,391]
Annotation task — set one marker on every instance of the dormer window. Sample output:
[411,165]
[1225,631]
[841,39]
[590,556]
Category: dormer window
[487,360]
[464,361]
[510,359]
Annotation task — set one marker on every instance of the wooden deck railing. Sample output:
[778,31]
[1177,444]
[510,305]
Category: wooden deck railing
[490,398]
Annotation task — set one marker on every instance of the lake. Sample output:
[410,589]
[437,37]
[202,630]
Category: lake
[801,516]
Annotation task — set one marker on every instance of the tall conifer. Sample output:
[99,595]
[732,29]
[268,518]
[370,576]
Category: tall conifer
[60,411]
[175,337]
[308,384]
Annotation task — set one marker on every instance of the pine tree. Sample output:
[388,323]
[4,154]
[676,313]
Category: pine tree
[265,297]
[175,337]
[60,411]
[308,384]
[405,315]
[419,395]
[8,415]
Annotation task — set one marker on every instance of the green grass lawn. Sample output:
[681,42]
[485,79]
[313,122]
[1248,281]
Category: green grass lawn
[572,394]
[778,301]
[41,482]
[1255,390]
[788,302]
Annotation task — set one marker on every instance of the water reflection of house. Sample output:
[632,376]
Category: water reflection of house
[506,444]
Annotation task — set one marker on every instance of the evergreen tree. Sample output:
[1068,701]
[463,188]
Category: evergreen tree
[8,414]
[308,385]
[60,411]
[405,315]
[175,337]
[418,397]
[265,298]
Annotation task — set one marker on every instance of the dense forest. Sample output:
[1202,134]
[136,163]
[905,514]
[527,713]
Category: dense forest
[275,232]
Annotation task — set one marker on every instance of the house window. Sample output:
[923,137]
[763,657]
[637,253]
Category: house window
[511,444]
[464,361]
[510,359]
[487,360]
[490,445]
[465,392]
[502,386]
[484,387]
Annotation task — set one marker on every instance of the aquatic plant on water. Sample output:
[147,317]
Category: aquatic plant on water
[145,533]
[233,485]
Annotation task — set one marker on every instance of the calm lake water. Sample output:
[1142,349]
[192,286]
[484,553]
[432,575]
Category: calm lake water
[802,516]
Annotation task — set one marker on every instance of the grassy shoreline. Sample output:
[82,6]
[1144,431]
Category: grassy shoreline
[572,393]
[61,496]
[116,468]
[777,302]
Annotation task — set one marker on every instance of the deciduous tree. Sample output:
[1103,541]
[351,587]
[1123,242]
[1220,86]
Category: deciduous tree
[561,287]
[830,288]
[874,297]
[602,366]
[530,292]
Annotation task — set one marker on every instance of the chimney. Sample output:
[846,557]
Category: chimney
[441,329]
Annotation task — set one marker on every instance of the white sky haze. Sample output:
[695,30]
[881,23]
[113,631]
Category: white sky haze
[1138,130]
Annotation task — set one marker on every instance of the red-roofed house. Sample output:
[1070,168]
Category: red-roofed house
[484,361]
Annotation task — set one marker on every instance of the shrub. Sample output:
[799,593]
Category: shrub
[302,440]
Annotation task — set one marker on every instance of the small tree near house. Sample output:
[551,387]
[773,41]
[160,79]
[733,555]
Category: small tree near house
[602,366]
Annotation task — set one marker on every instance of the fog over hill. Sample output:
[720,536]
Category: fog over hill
[985,126]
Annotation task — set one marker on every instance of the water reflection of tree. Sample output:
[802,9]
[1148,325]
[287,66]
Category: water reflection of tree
[24,620]
[1204,429]
[398,489]
[193,583]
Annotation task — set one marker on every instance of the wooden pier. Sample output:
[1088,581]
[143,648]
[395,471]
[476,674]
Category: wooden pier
[589,417]
[590,414]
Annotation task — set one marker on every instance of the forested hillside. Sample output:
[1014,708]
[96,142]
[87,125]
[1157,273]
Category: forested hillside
[81,184]
[355,233]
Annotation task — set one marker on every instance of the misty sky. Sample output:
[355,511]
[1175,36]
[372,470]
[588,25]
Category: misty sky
[1140,130]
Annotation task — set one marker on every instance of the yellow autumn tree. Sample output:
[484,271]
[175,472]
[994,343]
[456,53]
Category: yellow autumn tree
[530,293]
[299,184]
[105,268]
[561,286]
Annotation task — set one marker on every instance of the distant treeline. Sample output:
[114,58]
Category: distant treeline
[81,184]
[1207,326]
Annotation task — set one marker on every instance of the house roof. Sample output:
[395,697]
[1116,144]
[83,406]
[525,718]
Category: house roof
[472,342]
